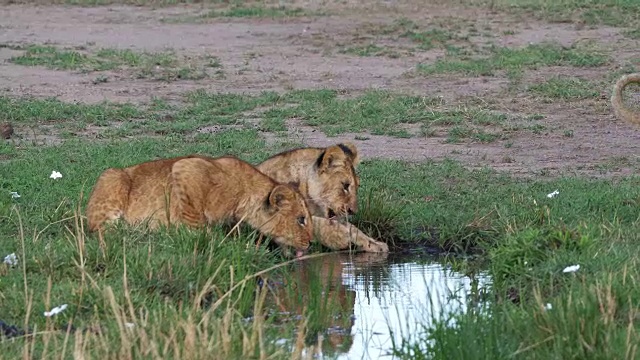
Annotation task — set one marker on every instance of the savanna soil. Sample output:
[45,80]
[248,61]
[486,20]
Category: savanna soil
[323,48]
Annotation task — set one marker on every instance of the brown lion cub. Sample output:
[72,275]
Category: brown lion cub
[201,190]
[619,108]
[327,179]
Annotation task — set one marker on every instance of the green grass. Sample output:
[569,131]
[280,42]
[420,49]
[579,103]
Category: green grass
[510,60]
[158,118]
[591,12]
[430,39]
[375,112]
[175,278]
[527,240]
[438,36]
[634,33]
[592,314]
[566,88]
[164,66]
[370,50]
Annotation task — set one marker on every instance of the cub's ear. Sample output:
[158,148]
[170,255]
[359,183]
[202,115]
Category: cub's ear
[332,156]
[351,151]
[280,196]
[338,155]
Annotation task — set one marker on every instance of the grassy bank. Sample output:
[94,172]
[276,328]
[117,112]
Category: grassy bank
[173,281]
[534,310]
[169,294]
[181,293]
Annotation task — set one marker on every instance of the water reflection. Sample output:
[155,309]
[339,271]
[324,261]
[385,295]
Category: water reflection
[364,300]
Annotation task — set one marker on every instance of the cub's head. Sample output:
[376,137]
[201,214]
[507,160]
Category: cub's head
[287,218]
[334,185]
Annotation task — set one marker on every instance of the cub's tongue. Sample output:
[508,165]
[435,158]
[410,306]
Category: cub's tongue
[299,253]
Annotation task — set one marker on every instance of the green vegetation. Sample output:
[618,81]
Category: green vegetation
[587,314]
[527,240]
[566,88]
[370,50]
[449,33]
[502,58]
[144,290]
[376,112]
[591,12]
[158,66]
[180,285]
[233,8]
[634,34]
[439,36]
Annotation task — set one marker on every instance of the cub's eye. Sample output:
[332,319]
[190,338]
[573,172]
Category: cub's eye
[302,220]
[346,186]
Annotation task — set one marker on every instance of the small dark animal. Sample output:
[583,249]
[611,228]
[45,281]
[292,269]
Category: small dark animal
[6,130]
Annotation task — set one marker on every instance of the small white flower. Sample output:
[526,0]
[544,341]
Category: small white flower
[570,269]
[553,194]
[15,195]
[548,306]
[11,259]
[55,175]
[129,325]
[56,310]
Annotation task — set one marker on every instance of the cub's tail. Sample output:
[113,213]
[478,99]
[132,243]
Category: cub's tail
[619,108]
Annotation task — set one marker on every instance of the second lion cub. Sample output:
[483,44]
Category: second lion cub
[196,190]
[327,179]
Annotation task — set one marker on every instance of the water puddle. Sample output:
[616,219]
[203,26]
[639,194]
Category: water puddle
[364,300]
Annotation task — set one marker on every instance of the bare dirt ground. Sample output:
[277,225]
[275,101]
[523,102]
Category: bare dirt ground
[299,53]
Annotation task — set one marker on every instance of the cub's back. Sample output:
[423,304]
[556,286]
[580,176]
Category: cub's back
[290,165]
[149,179]
[234,172]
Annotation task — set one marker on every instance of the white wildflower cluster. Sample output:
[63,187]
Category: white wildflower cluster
[11,259]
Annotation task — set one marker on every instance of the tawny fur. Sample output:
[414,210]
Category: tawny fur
[619,108]
[327,179]
[197,190]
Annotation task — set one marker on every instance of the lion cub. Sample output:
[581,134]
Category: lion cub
[196,190]
[327,179]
